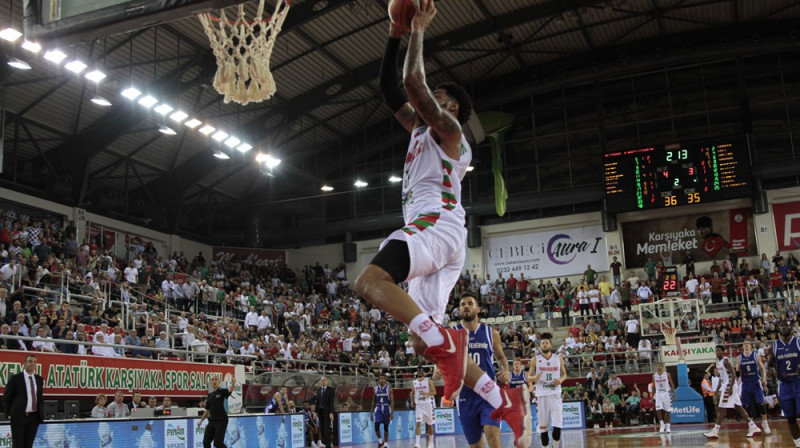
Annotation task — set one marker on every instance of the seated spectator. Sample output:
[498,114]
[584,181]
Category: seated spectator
[43,343]
[143,351]
[11,343]
[118,409]
[609,411]
[647,407]
[97,350]
[99,410]
[152,402]
[597,413]
[632,406]
[165,408]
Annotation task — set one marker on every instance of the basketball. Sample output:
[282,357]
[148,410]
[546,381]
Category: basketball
[401,12]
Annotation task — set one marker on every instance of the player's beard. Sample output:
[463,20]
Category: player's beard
[547,352]
[468,318]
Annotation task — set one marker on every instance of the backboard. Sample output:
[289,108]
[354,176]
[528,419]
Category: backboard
[72,21]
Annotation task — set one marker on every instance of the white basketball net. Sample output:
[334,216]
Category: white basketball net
[243,48]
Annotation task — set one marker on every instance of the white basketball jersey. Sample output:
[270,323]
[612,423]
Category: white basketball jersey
[723,372]
[422,387]
[661,382]
[551,371]
[432,180]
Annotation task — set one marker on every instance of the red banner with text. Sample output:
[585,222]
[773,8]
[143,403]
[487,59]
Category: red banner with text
[249,256]
[75,375]
[787,225]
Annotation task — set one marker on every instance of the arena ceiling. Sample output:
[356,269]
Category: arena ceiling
[327,122]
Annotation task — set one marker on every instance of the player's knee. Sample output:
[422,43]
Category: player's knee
[368,280]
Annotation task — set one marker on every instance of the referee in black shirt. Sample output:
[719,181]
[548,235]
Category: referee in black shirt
[216,415]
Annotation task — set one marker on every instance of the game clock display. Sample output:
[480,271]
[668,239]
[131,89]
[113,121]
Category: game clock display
[676,174]
[670,282]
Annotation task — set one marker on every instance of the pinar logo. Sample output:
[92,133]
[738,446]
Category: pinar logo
[5,440]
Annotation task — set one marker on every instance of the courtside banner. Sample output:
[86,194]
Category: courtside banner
[701,353]
[547,254]
[787,225]
[252,431]
[248,256]
[707,236]
[81,375]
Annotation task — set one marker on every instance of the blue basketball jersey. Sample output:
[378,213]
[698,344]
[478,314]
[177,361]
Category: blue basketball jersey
[272,406]
[787,359]
[748,366]
[481,350]
[518,380]
[382,396]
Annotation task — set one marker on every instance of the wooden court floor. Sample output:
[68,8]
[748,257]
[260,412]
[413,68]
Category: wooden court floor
[732,435]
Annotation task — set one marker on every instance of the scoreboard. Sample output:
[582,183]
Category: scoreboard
[676,174]
[670,282]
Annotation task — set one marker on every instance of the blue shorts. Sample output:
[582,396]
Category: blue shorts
[752,393]
[381,414]
[474,413]
[789,398]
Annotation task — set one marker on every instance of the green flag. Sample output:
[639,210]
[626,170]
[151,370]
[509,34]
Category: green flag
[496,124]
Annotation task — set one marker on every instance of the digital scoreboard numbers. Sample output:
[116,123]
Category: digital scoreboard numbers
[676,174]
[670,282]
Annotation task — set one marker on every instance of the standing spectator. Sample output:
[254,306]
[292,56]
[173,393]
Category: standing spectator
[632,331]
[589,275]
[23,402]
[326,406]
[644,293]
[616,271]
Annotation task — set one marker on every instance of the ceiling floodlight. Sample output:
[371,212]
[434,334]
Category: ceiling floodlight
[163,109]
[470,168]
[95,76]
[221,155]
[18,64]
[100,101]
[394,179]
[166,130]
[272,162]
[147,101]
[33,47]
[207,129]
[131,93]
[10,34]
[76,66]
[220,136]
[360,184]
[244,147]
[55,56]
[232,142]
[178,116]
[326,188]
[193,123]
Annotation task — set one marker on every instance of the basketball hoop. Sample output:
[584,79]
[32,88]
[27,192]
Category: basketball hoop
[243,48]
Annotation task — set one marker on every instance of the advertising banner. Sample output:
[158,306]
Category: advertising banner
[355,428]
[547,254]
[249,256]
[707,236]
[74,375]
[691,411]
[262,431]
[787,225]
[700,353]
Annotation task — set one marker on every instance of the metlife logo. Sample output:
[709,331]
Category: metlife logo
[688,412]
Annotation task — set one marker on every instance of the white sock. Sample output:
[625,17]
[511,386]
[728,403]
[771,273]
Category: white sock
[426,329]
[417,439]
[752,423]
[797,442]
[716,427]
[430,440]
[668,427]
[662,422]
[489,391]
[380,441]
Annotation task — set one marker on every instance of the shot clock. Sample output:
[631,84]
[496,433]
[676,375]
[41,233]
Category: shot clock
[670,282]
[676,174]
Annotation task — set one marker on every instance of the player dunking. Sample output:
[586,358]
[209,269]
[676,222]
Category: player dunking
[518,376]
[484,346]
[424,400]
[754,382]
[784,355]
[429,251]
[547,371]
[382,409]
[664,391]
[729,396]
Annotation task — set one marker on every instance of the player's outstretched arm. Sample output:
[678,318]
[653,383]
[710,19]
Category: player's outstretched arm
[390,85]
[420,96]
[503,372]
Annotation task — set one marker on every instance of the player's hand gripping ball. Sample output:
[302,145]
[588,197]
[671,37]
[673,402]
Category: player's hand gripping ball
[401,12]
